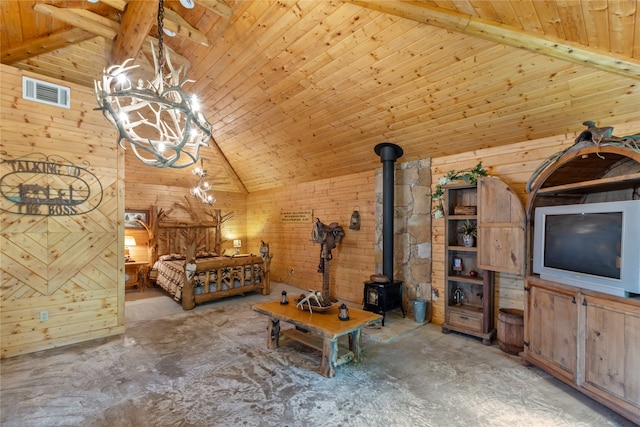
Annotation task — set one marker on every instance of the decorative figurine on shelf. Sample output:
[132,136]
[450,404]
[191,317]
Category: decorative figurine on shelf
[284,299]
[344,312]
[473,273]
[458,296]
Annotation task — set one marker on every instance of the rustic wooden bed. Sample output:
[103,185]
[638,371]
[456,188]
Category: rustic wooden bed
[212,277]
[187,262]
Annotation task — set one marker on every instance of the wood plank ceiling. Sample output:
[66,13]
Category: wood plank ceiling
[303,90]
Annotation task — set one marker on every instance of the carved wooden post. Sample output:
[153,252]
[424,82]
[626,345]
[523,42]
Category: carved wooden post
[266,267]
[326,273]
[218,220]
[188,294]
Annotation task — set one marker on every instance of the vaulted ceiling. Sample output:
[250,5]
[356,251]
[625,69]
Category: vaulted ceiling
[303,90]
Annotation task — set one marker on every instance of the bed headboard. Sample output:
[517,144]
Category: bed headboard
[175,238]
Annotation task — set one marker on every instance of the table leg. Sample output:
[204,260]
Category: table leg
[140,279]
[355,345]
[329,357]
[273,333]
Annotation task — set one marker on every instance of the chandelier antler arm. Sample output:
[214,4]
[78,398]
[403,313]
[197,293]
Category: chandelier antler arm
[170,129]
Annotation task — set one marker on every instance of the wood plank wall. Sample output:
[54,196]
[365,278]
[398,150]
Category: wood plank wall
[295,256]
[71,267]
[513,164]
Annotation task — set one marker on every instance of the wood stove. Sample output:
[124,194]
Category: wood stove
[383,297]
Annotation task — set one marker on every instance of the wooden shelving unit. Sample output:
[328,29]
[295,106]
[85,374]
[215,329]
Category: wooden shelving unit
[468,298]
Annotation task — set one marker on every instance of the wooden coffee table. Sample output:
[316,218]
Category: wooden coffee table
[318,330]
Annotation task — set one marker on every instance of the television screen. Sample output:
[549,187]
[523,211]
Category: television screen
[588,243]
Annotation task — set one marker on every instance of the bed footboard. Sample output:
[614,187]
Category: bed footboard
[223,277]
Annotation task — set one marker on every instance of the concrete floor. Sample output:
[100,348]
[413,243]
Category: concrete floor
[211,367]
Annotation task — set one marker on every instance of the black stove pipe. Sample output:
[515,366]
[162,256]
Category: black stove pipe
[388,153]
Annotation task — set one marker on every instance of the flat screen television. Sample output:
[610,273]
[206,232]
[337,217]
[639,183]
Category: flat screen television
[593,246]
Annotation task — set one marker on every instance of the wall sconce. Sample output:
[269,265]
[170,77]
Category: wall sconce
[128,242]
[354,224]
[237,244]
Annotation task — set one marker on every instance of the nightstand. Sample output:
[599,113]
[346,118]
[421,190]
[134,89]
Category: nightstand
[134,274]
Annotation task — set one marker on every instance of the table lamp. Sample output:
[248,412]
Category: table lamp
[237,244]
[128,242]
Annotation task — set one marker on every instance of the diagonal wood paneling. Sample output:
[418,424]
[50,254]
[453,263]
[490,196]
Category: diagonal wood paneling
[24,263]
[72,252]
[69,266]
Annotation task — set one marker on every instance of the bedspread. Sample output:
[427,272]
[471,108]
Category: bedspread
[170,275]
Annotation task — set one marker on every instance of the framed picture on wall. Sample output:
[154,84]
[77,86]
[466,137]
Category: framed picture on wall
[130,217]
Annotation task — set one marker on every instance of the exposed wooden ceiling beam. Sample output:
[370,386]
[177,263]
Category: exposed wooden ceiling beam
[178,25]
[44,45]
[217,6]
[99,26]
[505,34]
[172,22]
[137,20]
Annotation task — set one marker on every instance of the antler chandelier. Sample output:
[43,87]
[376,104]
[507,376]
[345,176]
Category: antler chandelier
[200,191]
[161,122]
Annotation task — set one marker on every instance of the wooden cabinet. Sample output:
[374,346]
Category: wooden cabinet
[589,340]
[468,296]
[612,351]
[501,228]
[549,308]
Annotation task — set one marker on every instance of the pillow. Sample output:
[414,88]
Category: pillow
[205,254]
[171,257]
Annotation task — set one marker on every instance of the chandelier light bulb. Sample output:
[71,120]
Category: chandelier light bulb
[195,103]
[122,78]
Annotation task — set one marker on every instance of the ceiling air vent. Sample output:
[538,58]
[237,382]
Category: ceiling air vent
[47,93]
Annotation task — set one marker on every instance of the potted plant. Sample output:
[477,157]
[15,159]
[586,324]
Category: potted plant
[468,175]
[469,231]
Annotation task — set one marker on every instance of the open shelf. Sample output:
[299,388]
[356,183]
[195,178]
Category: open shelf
[594,185]
[474,316]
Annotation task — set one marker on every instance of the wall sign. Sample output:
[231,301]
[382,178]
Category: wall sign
[47,185]
[296,216]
